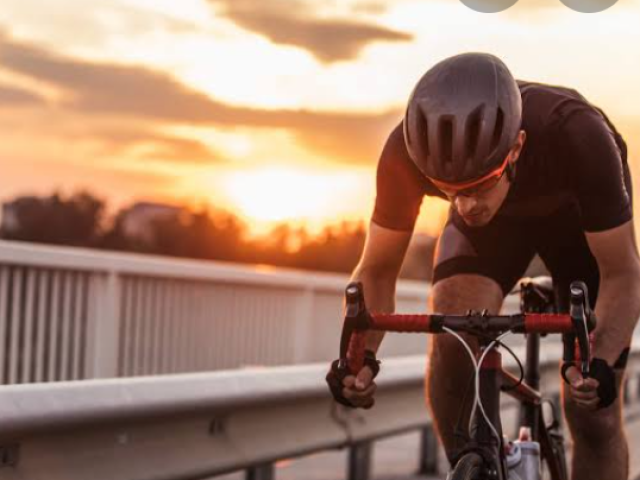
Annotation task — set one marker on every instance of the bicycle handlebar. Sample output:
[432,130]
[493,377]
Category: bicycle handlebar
[358,320]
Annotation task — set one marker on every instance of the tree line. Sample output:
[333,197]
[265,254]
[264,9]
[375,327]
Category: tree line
[81,220]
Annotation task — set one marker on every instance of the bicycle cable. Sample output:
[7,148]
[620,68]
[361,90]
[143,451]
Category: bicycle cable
[518,362]
[477,401]
[458,433]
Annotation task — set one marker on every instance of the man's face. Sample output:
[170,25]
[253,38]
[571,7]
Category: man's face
[479,208]
[478,205]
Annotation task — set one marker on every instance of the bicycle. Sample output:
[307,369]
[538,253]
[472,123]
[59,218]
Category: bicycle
[486,454]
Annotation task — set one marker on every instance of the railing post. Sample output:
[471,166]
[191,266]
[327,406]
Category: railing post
[428,452]
[359,467]
[104,326]
[261,472]
[302,326]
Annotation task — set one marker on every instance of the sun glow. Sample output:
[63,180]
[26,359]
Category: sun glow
[267,196]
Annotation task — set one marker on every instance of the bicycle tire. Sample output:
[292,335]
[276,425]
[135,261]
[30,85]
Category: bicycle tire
[552,453]
[553,465]
[469,467]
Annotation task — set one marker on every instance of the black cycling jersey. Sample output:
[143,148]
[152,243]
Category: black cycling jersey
[571,177]
[572,155]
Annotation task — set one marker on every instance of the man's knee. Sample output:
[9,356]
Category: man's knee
[463,292]
[456,295]
[592,428]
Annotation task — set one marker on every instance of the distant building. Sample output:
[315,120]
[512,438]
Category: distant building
[137,221]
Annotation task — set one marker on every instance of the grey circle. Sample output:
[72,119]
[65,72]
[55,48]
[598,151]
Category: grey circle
[588,6]
[491,6]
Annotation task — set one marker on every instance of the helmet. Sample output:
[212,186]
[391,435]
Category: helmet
[462,118]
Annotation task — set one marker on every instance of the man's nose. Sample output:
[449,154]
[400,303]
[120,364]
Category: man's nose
[465,205]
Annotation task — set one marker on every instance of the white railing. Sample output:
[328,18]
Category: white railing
[72,313]
[183,427]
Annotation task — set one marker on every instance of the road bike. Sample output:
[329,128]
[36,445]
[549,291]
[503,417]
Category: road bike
[487,454]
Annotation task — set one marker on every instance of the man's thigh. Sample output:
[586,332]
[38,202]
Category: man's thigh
[562,245]
[474,266]
[462,292]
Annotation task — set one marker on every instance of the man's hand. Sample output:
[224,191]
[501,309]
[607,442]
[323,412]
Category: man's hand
[359,390]
[354,391]
[598,391]
[583,391]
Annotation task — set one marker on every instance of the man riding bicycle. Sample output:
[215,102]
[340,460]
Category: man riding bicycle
[529,169]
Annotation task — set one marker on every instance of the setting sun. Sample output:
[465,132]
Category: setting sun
[274,195]
[285,194]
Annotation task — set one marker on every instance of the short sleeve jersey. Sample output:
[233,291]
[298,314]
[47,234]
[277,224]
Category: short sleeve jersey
[572,153]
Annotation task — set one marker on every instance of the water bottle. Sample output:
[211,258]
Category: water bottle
[523,459]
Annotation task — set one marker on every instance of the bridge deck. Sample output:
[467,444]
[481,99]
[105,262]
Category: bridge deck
[397,459]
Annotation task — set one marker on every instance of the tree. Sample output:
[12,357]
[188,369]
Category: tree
[76,220]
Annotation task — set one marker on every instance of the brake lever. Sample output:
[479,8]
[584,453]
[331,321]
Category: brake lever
[356,321]
[583,322]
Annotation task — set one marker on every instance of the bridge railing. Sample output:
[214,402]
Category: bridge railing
[72,313]
[193,426]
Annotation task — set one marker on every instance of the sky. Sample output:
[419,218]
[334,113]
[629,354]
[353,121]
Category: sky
[274,111]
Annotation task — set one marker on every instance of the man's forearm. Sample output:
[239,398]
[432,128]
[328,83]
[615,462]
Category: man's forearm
[379,296]
[617,311]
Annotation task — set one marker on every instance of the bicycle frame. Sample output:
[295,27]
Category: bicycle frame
[492,378]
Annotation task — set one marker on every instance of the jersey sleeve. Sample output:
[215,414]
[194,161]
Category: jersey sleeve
[598,170]
[400,187]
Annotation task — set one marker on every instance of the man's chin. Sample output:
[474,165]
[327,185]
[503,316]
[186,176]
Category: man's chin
[476,220]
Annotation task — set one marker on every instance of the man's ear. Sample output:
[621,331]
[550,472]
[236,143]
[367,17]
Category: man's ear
[518,146]
[515,154]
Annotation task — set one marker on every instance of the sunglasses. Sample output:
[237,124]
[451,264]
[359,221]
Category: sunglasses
[473,188]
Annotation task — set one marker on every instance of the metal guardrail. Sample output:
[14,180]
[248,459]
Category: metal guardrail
[73,313]
[187,427]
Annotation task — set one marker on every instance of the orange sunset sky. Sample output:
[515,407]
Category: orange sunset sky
[274,110]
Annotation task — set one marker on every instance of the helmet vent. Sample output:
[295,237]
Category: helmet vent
[445,140]
[473,132]
[497,131]
[422,128]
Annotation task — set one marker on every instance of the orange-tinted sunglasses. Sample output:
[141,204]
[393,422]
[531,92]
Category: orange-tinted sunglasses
[473,187]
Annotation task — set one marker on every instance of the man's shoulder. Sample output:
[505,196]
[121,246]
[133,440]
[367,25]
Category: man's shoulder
[547,108]
[545,103]
[528,87]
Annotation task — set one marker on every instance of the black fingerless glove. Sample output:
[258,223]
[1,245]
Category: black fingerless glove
[336,375]
[606,377]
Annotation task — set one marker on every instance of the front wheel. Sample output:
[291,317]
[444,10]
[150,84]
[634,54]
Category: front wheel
[469,467]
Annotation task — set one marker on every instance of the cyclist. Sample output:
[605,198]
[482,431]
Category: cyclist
[529,169]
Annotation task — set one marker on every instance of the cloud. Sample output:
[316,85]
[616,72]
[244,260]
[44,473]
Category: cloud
[178,150]
[103,89]
[58,173]
[99,140]
[370,7]
[293,22]
[13,96]
[94,25]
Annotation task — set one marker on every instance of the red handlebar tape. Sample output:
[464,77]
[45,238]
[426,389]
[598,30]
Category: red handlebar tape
[533,322]
[400,323]
[547,323]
